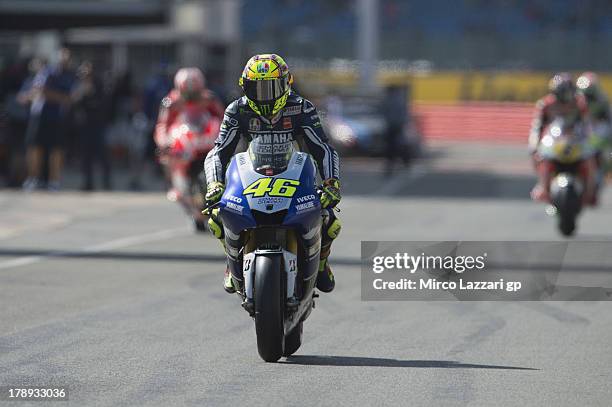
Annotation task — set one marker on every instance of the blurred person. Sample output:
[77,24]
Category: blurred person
[140,135]
[28,93]
[395,113]
[190,101]
[49,98]
[120,90]
[189,94]
[270,103]
[118,87]
[14,78]
[89,110]
[156,88]
[598,106]
[562,101]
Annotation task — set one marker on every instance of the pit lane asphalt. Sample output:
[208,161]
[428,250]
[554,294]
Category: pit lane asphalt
[113,296]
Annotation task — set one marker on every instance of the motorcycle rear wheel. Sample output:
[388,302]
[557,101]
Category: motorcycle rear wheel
[567,225]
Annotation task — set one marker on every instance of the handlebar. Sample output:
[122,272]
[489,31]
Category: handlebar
[211,206]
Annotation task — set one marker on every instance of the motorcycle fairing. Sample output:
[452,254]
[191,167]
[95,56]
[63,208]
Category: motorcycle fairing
[303,208]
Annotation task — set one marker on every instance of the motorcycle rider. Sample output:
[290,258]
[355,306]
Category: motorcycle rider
[597,101]
[599,112]
[189,95]
[561,101]
[270,107]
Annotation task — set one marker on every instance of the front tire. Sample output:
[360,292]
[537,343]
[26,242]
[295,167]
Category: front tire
[269,311]
[293,341]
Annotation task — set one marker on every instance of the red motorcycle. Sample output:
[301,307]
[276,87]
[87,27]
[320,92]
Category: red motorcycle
[192,136]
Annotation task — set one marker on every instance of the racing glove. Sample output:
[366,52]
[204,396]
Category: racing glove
[330,193]
[214,191]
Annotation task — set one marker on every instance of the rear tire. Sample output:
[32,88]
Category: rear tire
[269,311]
[293,341]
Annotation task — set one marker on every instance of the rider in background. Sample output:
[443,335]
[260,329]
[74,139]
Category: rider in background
[597,101]
[561,101]
[189,95]
[271,109]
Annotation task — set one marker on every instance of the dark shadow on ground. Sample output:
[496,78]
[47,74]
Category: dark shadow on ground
[135,256]
[469,184]
[382,362]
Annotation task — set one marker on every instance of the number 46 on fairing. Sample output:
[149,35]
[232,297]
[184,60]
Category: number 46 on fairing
[280,187]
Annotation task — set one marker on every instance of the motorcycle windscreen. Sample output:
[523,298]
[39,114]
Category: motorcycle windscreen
[269,154]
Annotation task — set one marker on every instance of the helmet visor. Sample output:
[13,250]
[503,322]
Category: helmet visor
[265,90]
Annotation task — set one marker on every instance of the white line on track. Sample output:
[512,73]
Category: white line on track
[101,247]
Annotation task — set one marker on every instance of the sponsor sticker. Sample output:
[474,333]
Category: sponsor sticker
[287,123]
[263,67]
[292,110]
[230,120]
[254,124]
[306,198]
[234,207]
[304,206]
[282,148]
[308,107]
[270,201]
[234,198]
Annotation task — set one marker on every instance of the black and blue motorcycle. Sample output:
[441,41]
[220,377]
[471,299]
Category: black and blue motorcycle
[271,214]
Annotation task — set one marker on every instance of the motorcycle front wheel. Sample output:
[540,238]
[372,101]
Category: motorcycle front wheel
[269,304]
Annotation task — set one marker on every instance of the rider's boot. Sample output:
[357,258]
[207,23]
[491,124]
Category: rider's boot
[216,228]
[330,230]
[228,283]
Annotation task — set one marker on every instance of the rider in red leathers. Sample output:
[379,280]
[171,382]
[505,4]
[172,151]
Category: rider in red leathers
[562,101]
[189,95]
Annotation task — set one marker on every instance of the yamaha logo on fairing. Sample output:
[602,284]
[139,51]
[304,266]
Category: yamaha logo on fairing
[234,207]
[304,206]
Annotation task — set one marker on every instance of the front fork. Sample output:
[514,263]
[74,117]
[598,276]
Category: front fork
[242,267]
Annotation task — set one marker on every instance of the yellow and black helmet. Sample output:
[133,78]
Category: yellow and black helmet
[266,82]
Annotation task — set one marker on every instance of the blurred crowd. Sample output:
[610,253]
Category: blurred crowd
[69,112]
